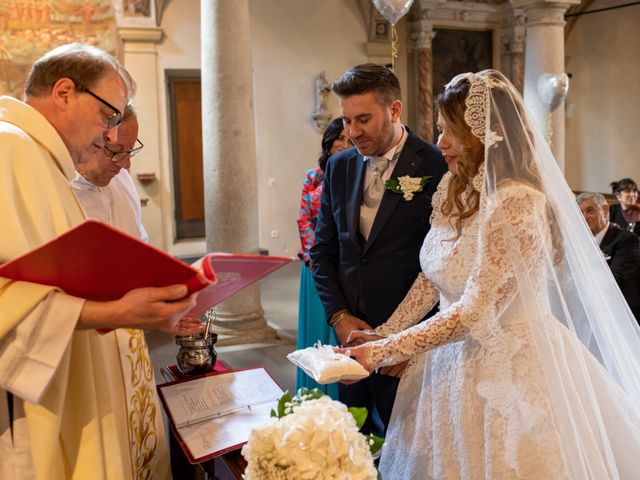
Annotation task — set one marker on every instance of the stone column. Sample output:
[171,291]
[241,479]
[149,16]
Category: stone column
[545,54]
[421,36]
[229,157]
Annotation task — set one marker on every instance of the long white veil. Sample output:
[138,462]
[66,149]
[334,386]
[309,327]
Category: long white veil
[592,411]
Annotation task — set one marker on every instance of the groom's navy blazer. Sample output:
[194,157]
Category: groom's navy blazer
[371,279]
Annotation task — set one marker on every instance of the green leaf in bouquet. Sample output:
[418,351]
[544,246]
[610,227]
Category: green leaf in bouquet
[308,394]
[375,444]
[360,415]
[282,404]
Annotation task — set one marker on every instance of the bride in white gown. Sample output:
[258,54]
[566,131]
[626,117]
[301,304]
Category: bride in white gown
[531,368]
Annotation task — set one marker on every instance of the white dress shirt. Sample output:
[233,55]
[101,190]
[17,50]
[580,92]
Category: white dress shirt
[600,235]
[117,204]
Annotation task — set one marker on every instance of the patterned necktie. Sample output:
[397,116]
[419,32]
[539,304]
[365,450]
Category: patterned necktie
[372,194]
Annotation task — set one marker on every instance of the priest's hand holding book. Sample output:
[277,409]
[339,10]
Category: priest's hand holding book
[126,283]
[157,308]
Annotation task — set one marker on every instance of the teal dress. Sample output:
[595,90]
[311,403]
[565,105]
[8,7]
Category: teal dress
[312,325]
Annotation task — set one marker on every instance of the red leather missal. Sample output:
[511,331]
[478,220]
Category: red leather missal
[98,262]
[233,273]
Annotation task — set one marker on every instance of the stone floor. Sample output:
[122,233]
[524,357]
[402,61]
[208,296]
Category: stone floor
[279,293]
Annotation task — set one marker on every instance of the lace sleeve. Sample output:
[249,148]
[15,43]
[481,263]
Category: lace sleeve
[511,237]
[420,298]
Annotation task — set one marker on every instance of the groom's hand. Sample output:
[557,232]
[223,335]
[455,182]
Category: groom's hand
[347,325]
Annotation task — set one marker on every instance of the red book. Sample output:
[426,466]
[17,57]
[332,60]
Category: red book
[233,273]
[98,262]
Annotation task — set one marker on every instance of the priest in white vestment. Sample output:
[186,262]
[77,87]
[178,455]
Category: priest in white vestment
[63,407]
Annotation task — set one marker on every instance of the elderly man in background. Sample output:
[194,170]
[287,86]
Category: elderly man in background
[620,248]
[63,405]
[104,186]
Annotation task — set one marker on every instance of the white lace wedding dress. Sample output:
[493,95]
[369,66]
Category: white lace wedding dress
[474,402]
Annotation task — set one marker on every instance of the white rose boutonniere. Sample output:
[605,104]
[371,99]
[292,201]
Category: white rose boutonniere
[406,185]
[311,437]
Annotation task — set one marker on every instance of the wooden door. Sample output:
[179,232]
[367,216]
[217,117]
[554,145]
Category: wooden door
[186,139]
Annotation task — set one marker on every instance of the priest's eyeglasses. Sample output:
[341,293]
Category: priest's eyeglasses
[110,121]
[117,156]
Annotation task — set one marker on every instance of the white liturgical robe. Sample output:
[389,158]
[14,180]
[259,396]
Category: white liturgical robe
[66,385]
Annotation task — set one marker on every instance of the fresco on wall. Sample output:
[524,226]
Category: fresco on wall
[458,51]
[29,28]
[137,8]
[136,13]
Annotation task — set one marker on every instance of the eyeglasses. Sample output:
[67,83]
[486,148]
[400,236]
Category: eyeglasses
[111,121]
[117,156]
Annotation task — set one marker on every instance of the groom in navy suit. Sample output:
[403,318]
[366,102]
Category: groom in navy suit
[368,237]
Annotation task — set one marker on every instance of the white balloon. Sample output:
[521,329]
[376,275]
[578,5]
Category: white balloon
[553,89]
[392,10]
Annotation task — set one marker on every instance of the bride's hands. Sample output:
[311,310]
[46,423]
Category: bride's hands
[359,354]
[358,337]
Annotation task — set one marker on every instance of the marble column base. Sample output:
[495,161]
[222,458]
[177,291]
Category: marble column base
[239,329]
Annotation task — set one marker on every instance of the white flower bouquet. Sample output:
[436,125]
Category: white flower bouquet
[311,437]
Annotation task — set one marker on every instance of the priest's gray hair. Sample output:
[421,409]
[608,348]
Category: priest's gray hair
[84,64]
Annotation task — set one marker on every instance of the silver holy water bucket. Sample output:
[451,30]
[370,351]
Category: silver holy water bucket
[197,353]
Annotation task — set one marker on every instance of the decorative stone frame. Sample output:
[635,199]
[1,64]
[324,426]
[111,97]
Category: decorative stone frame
[506,23]
[125,18]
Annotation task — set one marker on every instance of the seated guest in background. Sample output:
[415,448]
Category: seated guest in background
[312,326]
[627,213]
[620,248]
